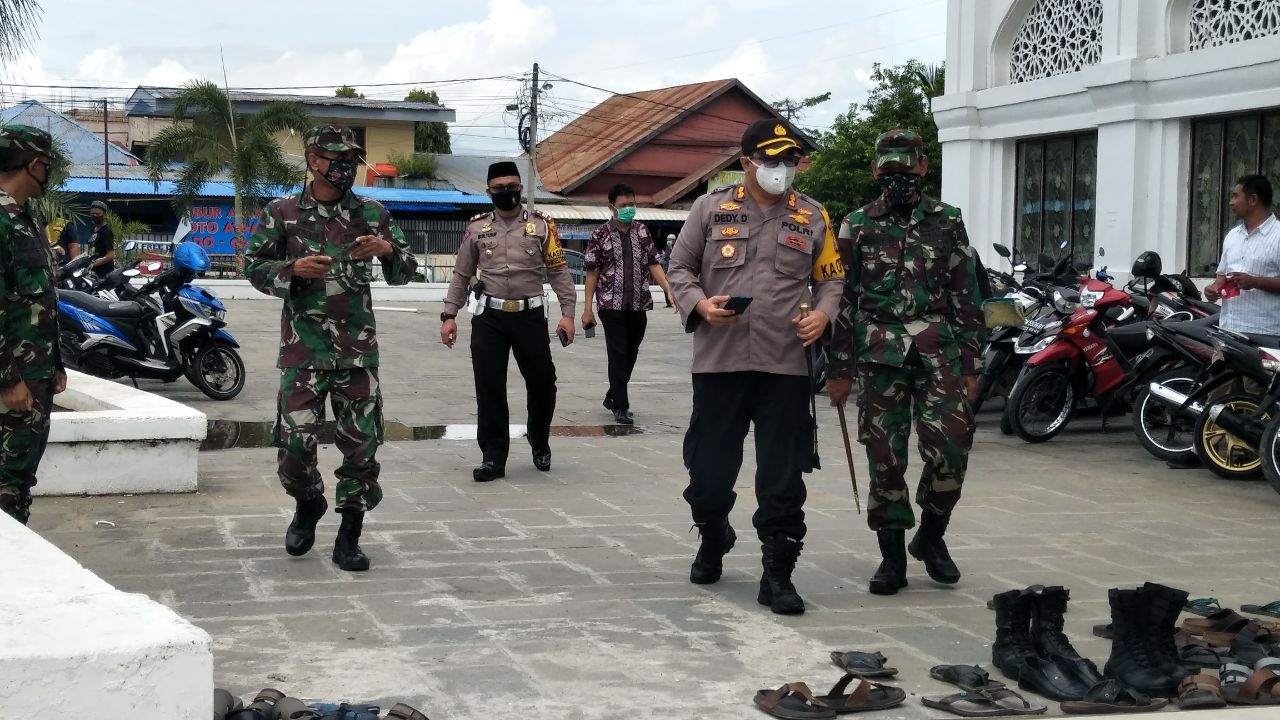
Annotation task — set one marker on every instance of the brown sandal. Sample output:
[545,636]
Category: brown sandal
[793,701]
[867,696]
[1200,692]
[1262,688]
[1227,620]
[1257,633]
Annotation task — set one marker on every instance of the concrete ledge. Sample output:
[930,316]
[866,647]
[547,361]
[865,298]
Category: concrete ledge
[117,439]
[75,647]
[382,292]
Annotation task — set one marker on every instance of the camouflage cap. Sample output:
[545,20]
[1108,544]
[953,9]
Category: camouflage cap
[332,138]
[899,146]
[24,137]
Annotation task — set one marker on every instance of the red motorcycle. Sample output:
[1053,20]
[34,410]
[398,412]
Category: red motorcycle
[1093,356]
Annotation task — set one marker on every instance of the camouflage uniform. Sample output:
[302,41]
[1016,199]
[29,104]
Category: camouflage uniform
[328,338]
[910,321]
[29,321]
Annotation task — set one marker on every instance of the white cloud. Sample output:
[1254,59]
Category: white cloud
[503,41]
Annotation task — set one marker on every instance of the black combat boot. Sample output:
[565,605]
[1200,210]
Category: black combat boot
[301,534]
[346,549]
[891,576]
[779,555]
[1161,607]
[1013,643]
[928,547]
[717,540]
[1133,661]
[1047,610]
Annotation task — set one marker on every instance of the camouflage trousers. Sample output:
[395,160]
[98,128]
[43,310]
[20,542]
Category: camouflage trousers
[23,438]
[889,398]
[357,410]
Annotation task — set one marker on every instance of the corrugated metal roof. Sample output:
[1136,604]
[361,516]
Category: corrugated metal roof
[609,129]
[469,173]
[391,197]
[84,147]
[150,101]
[168,93]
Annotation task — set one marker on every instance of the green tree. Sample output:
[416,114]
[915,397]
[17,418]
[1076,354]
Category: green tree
[18,20]
[840,174]
[429,137]
[346,91]
[792,109]
[217,141]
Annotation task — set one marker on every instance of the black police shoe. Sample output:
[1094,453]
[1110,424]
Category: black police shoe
[488,471]
[542,458]
[623,417]
[608,402]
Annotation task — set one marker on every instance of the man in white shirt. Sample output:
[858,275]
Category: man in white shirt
[1248,279]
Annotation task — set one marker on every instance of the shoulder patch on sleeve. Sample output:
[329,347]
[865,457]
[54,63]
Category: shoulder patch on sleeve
[478,216]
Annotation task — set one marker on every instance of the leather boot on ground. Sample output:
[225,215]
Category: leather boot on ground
[891,576]
[779,556]
[717,540]
[301,534]
[928,547]
[346,548]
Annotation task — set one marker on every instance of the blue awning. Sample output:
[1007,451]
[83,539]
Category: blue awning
[409,199]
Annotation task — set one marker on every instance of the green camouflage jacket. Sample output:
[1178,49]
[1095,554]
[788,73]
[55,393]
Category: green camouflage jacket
[28,298]
[327,323]
[906,284]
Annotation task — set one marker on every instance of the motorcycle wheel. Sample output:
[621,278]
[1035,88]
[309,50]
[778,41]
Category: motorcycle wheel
[1161,431]
[1042,404]
[1269,451]
[217,370]
[1226,455]
[1006,425]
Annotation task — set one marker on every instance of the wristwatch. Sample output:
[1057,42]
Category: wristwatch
[446,316]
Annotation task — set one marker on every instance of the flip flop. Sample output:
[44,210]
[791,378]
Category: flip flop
[1262,688]
[864,664]
[1204,607]
[294,709]
[1271,609]
[1028,590]
[988,702]
[1233,673]
[1246,647]
[1110,696]
[867,696]
[400,711]
[1251,630]
[793,701]
[1201,656]
[1223,621]
[1200,692]
[969,677]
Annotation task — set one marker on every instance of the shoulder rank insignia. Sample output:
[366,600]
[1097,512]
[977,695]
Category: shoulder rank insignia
[730,232]
[804,211]
[791,201]
[486,227]
[530,229]
[800,219]
[730,206]
[728,250]
[741,194]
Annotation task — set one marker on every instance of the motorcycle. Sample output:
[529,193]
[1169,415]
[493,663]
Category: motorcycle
[167,330]
[1163,431]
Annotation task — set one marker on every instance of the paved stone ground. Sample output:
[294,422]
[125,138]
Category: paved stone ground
[565,595]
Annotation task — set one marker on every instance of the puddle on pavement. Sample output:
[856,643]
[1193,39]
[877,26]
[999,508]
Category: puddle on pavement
[227,434]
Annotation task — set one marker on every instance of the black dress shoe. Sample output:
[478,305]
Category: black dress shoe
[623,417]
[542,459]
[608,402]
[488,471]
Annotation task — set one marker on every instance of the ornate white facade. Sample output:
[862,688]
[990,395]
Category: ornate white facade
[1116,89]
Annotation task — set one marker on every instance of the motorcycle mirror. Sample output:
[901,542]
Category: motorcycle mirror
[132,272]
[1001,250]
[129,246]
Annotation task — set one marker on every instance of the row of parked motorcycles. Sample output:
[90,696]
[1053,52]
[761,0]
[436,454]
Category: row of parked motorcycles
[162,330]
[1061,344]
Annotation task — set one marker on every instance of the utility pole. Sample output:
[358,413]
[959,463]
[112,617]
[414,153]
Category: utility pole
[533,138]
[106,146]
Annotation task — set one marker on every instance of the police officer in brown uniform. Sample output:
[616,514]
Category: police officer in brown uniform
[766,241]
[510,247]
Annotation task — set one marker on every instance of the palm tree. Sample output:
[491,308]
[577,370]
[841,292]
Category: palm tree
[217,141]
[17,27]
[932,79]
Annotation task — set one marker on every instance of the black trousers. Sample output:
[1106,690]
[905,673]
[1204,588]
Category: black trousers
[623,333]
[495,335]
[724,405]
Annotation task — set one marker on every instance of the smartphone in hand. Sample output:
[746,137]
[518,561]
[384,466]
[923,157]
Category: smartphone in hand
[737,304]
[589,331]
[564,337]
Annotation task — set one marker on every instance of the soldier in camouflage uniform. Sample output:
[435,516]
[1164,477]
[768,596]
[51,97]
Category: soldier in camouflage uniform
[315,251]
[910,322]
[30,366]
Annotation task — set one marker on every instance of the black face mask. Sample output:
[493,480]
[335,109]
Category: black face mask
[506,200]
[901,190]
[341,174]
[44,184]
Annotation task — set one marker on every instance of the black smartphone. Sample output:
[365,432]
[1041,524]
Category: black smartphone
[589,331]
[737,304]
[564,337]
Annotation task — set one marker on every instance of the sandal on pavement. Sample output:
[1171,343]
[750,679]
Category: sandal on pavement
[1111,696]
[793,701]
[290,708]
[1233,673]
[1250,630]
[1246,648]
[400,711]
[865,664]
[867,696]
[1262,688]
[969,677]
[1271,609]
[1204,607]
[988,702]
[1201,656]
[1200,692]
[1028,590]
[1223,621]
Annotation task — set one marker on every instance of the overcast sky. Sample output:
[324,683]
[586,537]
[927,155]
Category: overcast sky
[778,49]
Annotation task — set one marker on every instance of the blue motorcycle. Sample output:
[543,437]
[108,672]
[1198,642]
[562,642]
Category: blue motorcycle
[164,330]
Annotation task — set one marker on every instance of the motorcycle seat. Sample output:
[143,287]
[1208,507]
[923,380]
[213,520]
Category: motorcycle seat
[1211,308]
[1130,339]
[1197,330]
[101,308]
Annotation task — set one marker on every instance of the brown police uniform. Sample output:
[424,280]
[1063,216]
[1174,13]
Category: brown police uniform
[510,255]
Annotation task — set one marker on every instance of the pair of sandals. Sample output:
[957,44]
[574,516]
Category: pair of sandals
[795,701]
[1260,685]
[984,698]
[1205,607]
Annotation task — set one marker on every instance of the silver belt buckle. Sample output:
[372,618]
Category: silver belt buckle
[510,305]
